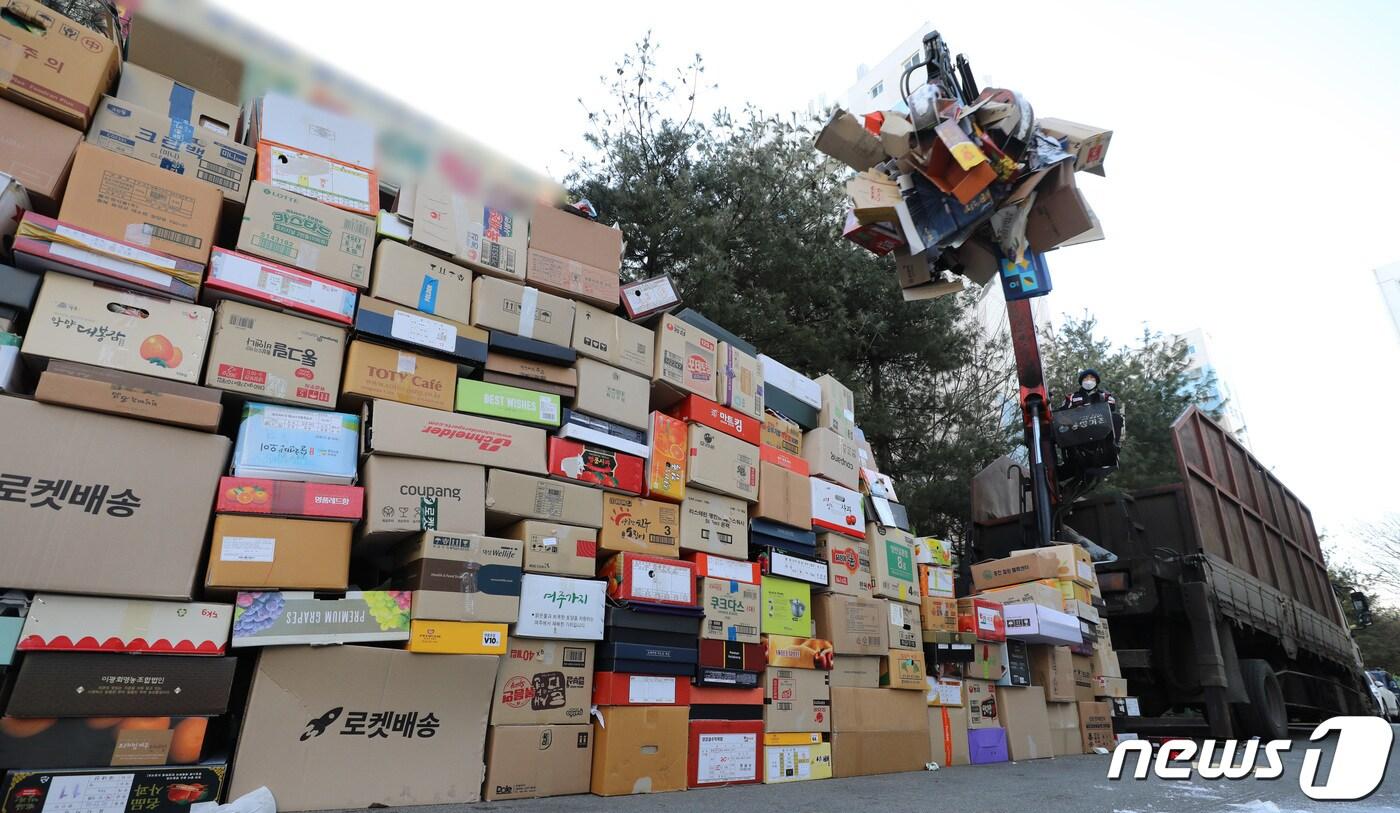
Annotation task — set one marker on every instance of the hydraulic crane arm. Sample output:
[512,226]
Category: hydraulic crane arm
[1035,416]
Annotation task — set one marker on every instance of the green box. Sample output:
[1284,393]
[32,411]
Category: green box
[510,403]
[786,607]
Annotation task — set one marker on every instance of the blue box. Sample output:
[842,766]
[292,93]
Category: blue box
[289,443]
[1027,279]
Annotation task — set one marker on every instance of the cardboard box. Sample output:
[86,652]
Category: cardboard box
[59,623]
[982,709]
[1018,665]
[295,230]
[714,524]
[639,749]
[783,496]
[283,619]
[462,577]
[929,550]
[555,607]
[856,671]
[78,320]
[527,373]
[159,46]
[392,428]
[798,653]
[578,426]
[892,563]
[268,285]
[1035,624]
[38,152]
[55,65]
[878,731]
[457,637]
[44,244]
[1126,707]
[778,562]
[421,281]
[938,615]
[484,236]
[935,581]
[135,396]
[787,607]
[404,496]
[1070,562]
[738,656]
[199,112]
[534,761]
[1053,670]
[718,567]
[832,457]
[648,297]
[635,525]
[982,618]
[790,394]
[543,683]
[796,763]
[666,439]
[252,553]
[905,629]
[1027,566]
[686,357]
[903,669]
[649,579]
[839,509]
[1095,726]
[555,549]
[595,466]
[520,496]
[1089,144]
[838,408]
[797,700]
[855,626]
[275,356]
[73,742]
[740,381]
[696,410]
[724,752]
[159,140]
[291,443]
[79,519]
[848,562]
[1083,671]
[722,463]
[948,735]
[944,691]
[313,151]
[375,371]
[986,746]
[731,610]
[574,256]
[156,790]
[395,324]
[612,394]
[873,197]
[1037,593]
[1111,687]
[510,403]
[1064,729]
[1104,662]
[781,434]
[499,304]
[783,460]
[622,689]
[601,335]
[432,709]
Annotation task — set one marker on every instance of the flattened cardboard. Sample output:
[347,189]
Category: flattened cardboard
[535,761]
[391,428]
[685,357]
[574,256]
[722,463]
[375,371]
[556,607]
[543,683]
[101,389]
[832,457]
[421,281]
[59,623]
[304,233]
[556,549]
[38,152]
[639,749]
[713,523]
[612,394]
[796,700]
[275,356]
[613,340]
[266,553]
[731,612]
[521,310]
[635,525]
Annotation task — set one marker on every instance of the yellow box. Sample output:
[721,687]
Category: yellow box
[796,763]
[1071,590]
[791,739]
[457,638]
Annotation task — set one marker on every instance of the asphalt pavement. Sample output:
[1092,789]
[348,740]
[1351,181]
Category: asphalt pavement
[1078,784]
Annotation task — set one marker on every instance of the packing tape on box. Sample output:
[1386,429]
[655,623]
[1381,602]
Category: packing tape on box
[136,233]
[529,301]
[408,363]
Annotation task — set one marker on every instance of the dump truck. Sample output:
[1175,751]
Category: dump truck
[1216,593]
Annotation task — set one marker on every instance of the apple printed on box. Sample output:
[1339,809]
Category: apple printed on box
[835,508]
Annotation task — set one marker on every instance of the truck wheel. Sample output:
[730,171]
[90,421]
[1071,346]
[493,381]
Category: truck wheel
[1265,716]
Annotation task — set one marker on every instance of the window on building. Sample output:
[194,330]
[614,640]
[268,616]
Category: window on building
[877,89]
[911,61]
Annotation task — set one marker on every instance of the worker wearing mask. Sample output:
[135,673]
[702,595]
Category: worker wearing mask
[1090,392]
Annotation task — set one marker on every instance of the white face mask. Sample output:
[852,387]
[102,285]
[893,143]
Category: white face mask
[1088,384]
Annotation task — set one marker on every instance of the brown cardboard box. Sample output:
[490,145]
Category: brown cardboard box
[855,671]
[783,496]
[640,749]
[1038,593]
[53,64]
[686,357]
[392,428]
[892,563]
[484,236]
[731,610]
[848,563]
[1064,728]
[462,577]
[38,152]
[559,550]
[796,700]
[404,496]
[838,408]
[438,702]
[947,734]
[878,731]
[130,200]
[543,683]
[722,463]
[938,614]
[511,496]
[613,340]
[832,457]
[529,370]
[1104,662]
[421,281]
[903,669]
[905,630]
[275,356]
[853,625]
[295,230]
[124,529]
[134,396]
[141,132]
[982,709]
[1083,670]
[740,380]
[376,371]
[267,553]
[635,525]
[574,256]
[1052,668]
[189,59]
[1095,726]
[534,761]
[1027,723]
[713,523]
[1025,566]
[499,304]
[1110,687]
[988,661]
[78,320]
[782,434]
[147,88]
[612,394]
[1071,562]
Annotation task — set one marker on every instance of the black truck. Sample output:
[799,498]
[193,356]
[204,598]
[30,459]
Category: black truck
[1218,602]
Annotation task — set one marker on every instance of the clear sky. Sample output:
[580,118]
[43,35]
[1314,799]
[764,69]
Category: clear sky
[1251,181]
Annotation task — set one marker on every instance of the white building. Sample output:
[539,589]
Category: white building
[1388,278]
[877,87]
[1198,355]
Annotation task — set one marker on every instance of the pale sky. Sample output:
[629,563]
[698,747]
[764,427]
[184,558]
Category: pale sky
[1251,178]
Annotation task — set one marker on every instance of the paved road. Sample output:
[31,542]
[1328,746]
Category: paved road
[1076,784]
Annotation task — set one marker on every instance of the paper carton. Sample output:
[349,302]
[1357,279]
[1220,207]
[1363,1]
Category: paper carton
[1015,569]
[1053,670]
[905,630]
[790,394]
[44,244]
[781,434]
[315,152]
[1110,687]
[783,496]
[395,325]
[740,381]
[686,357]
[574,256]
[796,700]
[832,457]
[622,689]
[982,618]
[786,607]
[114,530]
[649,579]
[535,761]
[172,790]
[73,742]
[266,553]
[948,735]
[531,374]
[855,626]
[639,749]
[554,607]
[457,637]
[1070,562]
[856,671]
[1064,728]
[59,623]
[55,65]
[392,428]
[666,438]
[275,356]
[1082,668]
[935,581]
[595,466]
[838,408]
[78,320]
[292,443]
[404,496]
[722,463]
[903,669]
[461,577]
[696,410]
[944,691]
[288,618]
[835,508]
[892,563]
[543,683]
[510,403]
[156,139]
[797,652]
[878,731]
[988,661]
[929,550]
[1104,662]
[731,610]
[796,763]
[289,498]
[101,389]
[846,140]
[266,284]
[1088,144]
[38,152]
[938,615]
[986,746]
[196,111]
[636,525]
[1035,624]
[520,310]
[778,562]
[1018,666]
[873,196]
[482,235]
[724,752]
[648,297]
[375,371]
[1095,726]
[555,549]
[848,561]
[421,281]
[982,709]
[295,230]
[613,340]
[425,714]
[520,496]
[738,656]
[612,394]
[1038,593]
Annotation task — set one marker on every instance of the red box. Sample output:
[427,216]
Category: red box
[720,567]
[650,579]
[596,466]
[695,409]
[288,289]
[46,244]
[981,617]
[724,752]
[793,463]
[623,689]
[289,498]
[734,655]
[725,696]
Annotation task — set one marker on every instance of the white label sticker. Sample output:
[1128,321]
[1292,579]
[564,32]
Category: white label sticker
[1086,571]
[302,420]
[248,549]
[987,618]
[896,614]
[729,569]
[408,363]
[726,758]
[549,409]
[661,582]
[112,264]
[550,542]
[849,415]
[528,303]
[490,638]
[1131,705]
[411,327]
[650,295]
[780,564]
[103,793]
[647,689]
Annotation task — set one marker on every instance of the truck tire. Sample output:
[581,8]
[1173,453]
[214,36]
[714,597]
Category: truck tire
[1265,716]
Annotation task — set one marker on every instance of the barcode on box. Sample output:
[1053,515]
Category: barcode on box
[170,235]
[244,322]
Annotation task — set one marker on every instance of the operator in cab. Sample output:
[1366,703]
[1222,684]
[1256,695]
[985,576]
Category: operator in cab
[1090,392]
